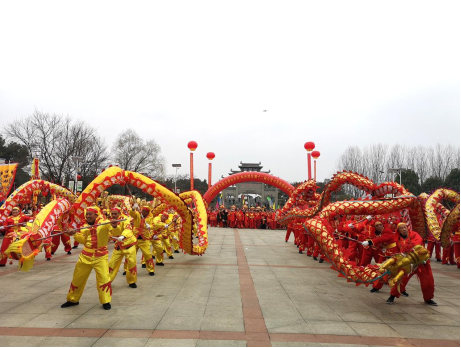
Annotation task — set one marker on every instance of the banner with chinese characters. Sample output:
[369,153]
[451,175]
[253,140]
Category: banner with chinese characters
[7,174]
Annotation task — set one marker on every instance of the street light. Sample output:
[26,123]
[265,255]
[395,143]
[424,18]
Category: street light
[396,171]
[75,159]
[177,166]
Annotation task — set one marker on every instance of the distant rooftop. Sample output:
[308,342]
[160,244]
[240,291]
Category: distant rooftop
[249,167]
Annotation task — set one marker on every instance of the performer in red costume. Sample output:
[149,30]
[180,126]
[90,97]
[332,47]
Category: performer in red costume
[240,219]
[406,240]
[433,243]
[258,218]
[15,221]
[455,240]
[232,218]
[251,218]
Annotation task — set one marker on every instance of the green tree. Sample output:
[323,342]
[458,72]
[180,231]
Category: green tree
[410,180]
[431,184]
[14,152]
[452,180]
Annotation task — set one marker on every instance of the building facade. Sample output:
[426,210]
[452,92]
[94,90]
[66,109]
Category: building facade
[254,193]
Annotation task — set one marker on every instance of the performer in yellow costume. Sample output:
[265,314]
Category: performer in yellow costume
[160,224]
[125,246]
[175,227]
[144,235]
[93,256]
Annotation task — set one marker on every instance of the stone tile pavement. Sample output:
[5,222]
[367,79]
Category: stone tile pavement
[249,289]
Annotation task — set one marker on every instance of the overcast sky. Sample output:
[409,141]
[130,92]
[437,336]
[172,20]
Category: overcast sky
[336,73]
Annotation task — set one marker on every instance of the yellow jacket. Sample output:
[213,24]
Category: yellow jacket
[139,225]
[94,239]
[123,229]
[159,227]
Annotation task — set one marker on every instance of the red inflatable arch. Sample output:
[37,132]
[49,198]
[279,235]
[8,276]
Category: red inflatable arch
[246,177]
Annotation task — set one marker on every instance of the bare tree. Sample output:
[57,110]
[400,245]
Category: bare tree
[58,138]
[375,158]
[131,152]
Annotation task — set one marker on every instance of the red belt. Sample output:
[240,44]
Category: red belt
[95,252]
[123,247]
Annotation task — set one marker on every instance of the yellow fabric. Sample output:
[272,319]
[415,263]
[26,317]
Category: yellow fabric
[81,273]
[158,250]
[86,263]
[83,236]
[137,228]
[116,261]
[145,246]
[174,242]
[123,229]
[166,245]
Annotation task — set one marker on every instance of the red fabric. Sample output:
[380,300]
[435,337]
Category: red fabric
[426,279]
[430,247]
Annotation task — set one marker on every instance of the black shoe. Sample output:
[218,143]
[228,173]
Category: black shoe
[286,241]
[69,253]
[134,286]
[143,266]
[321,260]
[48,258]
[390,300]
[124,273]
[69,304]
[300,251]
[75,247]
[405,294]
[171,257]
[374,290]
[2,265]
[151,274]
[315,259]
[439,260]
[52,253]
[160,264]
[431,303]
[176,251]
[308,255]
[106,306]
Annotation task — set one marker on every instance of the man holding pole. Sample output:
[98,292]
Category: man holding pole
[94,255]
[12,226]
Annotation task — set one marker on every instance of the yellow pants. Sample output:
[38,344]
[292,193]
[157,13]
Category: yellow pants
[175,243]
[116,261]
[167,245]
[145,246]
[158,249]
[81,273]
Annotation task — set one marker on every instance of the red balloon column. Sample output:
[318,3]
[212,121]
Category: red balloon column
[210,156]
[192,145]
[309,146]
[315,155]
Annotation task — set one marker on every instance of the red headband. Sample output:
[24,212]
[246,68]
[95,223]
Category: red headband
[93,209]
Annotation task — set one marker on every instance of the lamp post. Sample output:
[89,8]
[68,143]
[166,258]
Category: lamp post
[315,155]
[177,166]
[396,171]
[75,159]
[210,156]
[192,145]
[309,146]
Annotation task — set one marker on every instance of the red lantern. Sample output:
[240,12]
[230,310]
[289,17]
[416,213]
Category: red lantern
[192,145]
[315,154]
[79,177]
[210,155]
[309,146]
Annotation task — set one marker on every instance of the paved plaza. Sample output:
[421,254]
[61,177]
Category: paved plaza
[249,289]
